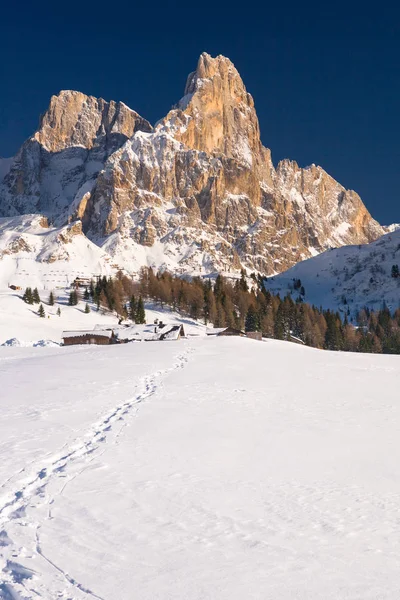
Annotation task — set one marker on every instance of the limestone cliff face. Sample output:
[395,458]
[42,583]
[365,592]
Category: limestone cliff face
[74,119]
[217,114]
[198,190]
[63,158]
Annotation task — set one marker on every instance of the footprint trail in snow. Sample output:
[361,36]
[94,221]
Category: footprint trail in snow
[18,582]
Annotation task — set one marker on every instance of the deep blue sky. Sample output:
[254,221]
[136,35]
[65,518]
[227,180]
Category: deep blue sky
[325,80]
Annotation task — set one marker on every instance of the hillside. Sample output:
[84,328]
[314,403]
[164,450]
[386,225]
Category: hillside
[197,193]
[36,254]
[21,325]
[347,279]
[199,467]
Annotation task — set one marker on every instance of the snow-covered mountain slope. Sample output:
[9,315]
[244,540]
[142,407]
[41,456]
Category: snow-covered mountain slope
[34,254]
[199,470]
[199,192]
[347,279]
[20,323]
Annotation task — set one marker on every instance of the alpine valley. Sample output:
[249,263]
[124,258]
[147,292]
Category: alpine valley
[197,193]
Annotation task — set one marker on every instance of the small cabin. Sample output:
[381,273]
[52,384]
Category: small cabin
[172,333]
[97,337]
[150,333]
[81,282]
[225,331]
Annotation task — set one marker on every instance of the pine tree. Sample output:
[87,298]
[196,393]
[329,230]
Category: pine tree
[103,301]
[132,308]
[140,312]
[220,316]
[280,326]
[87,308]
[334,333]
[51,299]
[36,297]
[28,296]
[59,311]
[86,295]
[252,321]
[73,298]
[41,312]
[209,308]
[243,283]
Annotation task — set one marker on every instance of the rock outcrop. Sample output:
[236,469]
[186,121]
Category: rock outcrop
[199,192]
[62,159]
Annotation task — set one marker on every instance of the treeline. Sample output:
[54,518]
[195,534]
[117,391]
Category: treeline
[378,331]
[115,294]
[225,303]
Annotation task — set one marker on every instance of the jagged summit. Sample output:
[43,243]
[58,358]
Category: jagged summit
[76,135]
[74,119]
[217,113]
[197,193]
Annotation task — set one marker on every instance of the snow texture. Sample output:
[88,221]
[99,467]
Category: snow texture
[32,254]
[205,468]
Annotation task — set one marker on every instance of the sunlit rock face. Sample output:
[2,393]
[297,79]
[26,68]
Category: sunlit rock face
[198,192]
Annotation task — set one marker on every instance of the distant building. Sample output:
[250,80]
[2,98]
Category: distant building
[172,333]
[122,334]
[98,337]
[80,282]
[150,333]
[223,331]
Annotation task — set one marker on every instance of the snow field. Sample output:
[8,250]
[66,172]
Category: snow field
[205,468]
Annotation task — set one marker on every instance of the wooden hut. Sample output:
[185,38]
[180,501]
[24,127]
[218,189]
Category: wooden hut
[172,333]
[98,337]
[149,333]
[222,331]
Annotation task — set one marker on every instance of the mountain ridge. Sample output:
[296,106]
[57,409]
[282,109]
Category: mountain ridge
[199,185]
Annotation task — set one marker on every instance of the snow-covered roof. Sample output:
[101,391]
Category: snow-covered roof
[172,333]
[215,330]
[137,332]
[98,332]
[106,326]
[149,332]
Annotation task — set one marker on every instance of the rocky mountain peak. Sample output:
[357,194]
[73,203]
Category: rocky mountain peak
[74,119]
[197,193]
[217,115]
[60,162]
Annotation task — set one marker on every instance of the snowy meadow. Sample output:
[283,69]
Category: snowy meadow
[207,468]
